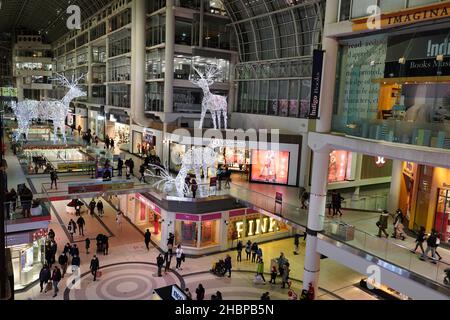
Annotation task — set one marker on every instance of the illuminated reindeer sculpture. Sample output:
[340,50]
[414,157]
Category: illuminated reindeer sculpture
[194,160]
[216,104]
[54,110]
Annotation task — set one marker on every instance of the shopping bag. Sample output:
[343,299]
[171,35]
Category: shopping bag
[99,274]
[49,286]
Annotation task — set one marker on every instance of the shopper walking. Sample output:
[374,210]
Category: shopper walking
[94,267]
[239,248]
[71,230]
[142,169]
[179,254]
[75,251]
[44,277]
[120,167]
[54,178]
[336,202]
[167,260]
[188,293]
[147,239]
[431,247]
[81,223]
[107,143]
[92,206]
[131,164]
[228,265]
[76,262]
[79,130]
[420,239]
[296,243]
[260,270]
[67,249]
[112,142]
[200,292]
[194,188]
[259,254]
[254,251]
[87,244]
[119,218]
[281,263]
[382,224]
[285,276]
[56,278]
[304,199]
[248,249]
[160,264]
[273,275]
[63,260]
[100,208]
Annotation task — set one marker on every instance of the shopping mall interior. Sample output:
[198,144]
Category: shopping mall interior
[302,142]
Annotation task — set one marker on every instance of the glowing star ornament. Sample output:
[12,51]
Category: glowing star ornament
[216,104]
[196,159]
[55,110]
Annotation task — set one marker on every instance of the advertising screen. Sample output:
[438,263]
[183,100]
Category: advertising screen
[270,166]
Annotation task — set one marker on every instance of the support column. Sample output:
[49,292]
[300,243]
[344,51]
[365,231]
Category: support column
[394,192]
[138,59]
[316,217]
[321,157]
[201,24]
[169,56]
[305,159]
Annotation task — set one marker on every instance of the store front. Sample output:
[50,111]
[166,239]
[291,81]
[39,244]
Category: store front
[197,231]
[395,87]
[27,254]
[425,193]
[81,118]
[262,166]
[118,128]
[253,225]
[97,123]
[144,143]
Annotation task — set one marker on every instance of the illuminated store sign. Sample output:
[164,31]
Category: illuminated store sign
[257,226]
[380,161]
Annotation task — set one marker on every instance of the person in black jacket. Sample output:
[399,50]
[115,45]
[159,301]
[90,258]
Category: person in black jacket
[142,172]
[228,265]
[44,277]
[75,251]
[167,260]
[56,278]
[100,208]
[131,164]
[420,239]
[239,248]
[147,238]
[54,179]
[63,261]
[120,166]
[431,246]
[95,266]
[160,263]
[92,206]
[81,223]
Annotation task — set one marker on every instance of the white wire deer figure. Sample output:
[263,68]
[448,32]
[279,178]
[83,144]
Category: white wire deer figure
[196,159]
[54,110]
[216,104]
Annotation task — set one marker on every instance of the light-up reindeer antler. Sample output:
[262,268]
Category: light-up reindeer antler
[211,73]
[62,80]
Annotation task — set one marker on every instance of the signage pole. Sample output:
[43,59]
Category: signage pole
[3,274]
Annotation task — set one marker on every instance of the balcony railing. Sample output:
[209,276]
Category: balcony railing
[436,135]
[22,210]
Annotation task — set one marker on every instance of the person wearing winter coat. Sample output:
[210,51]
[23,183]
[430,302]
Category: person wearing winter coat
[248,249]
[75,251]
[100,208]
[254,251]
[56,278]
[273,275]
[432,244]
[260,270]
[239,248]
[167,260]
[420,239]
[382,224]
[285,276]
[160,264]
[94,267]
[259,254]
[200,292]
[92,206]
[67,249]
[179,254]
[147,239]
[63,260]
[228,265]
[87,243]
[44,277]
[54,179]
[76,262]
[120,167]
[81,223]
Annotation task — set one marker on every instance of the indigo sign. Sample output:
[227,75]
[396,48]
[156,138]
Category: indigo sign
[316,84]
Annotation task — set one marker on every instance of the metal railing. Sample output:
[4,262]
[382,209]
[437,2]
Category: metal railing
[26,209]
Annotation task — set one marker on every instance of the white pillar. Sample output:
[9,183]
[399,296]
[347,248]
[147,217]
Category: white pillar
[394,192]
[169,56]
[138,59]
[305,162]
[321,158]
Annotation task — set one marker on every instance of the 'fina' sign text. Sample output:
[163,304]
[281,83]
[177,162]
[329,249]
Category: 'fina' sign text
[257,226]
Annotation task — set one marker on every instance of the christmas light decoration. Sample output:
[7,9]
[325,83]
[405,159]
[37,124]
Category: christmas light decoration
[216,104]
[195,159]
[54,110]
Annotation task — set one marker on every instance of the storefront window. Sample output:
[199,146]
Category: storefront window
[186,233]
[442,219]
[340,166]
[270,166]
[209,233]
[27,262]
